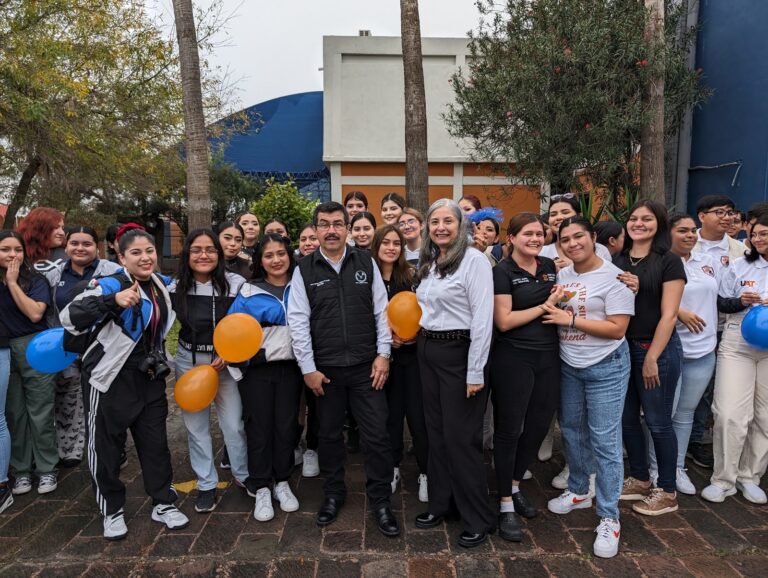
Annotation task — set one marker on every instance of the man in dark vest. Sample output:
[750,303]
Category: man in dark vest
[341,338]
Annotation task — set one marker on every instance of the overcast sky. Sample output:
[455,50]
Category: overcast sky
[275,47]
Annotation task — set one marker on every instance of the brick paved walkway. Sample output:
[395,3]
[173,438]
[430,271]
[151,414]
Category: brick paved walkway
[60,535]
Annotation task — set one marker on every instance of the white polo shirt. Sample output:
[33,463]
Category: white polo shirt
[743,276]
[700,296]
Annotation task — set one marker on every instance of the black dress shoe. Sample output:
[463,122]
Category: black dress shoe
[509,527]
[426,521]
[386,521]
[523,506]
[70,462]
[472,540]
[329,511]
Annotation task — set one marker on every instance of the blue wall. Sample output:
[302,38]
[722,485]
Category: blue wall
[732,125]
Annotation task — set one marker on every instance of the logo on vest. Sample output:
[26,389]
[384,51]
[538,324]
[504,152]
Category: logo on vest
[361,278]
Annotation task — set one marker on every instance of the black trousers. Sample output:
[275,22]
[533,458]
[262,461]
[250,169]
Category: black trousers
[352,385]
[270,394]
[135,402]
[455,429]
[312,423]
[526,394]
[404,398]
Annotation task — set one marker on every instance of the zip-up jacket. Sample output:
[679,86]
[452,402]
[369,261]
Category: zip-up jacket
[103,269]
[118,329]
[271,313]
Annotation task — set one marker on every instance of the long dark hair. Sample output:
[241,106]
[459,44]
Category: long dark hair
[402,272]
[662,240]
[259,273]
[26,271]
[753,255]
[185,279]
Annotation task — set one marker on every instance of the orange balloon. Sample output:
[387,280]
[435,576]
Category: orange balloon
[237,337]
[195,390]
[404,315]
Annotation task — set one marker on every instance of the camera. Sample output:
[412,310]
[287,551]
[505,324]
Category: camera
[154,365]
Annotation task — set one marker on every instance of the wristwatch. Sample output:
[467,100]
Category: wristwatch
[386,355]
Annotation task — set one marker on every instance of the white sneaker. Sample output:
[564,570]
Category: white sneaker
[607,542]
[684,484]
[311,467]
[423,489]
[545,450]
[114,526]
[284,495]
[298,456]
[527,475]
[169,515]
[752,492]
[22,485]
[560,481]
[48,483]
[263,511]
[566,502]
[395,479]
[713,493]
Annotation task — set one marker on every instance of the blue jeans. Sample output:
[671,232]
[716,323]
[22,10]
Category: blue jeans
[5,435]
[703,415]
[229,409]
[657,405]
[590,401]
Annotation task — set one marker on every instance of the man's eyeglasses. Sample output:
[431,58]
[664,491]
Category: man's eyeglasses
[325,225]
[201,250]
[720,213]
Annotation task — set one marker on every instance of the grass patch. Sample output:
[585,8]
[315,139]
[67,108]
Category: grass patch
[172,339]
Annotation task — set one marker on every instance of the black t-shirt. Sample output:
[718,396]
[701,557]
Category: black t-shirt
[13,323]
[274,290]
[653,271]
[527,291]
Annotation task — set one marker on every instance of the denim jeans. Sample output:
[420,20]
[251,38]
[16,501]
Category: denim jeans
[657,405]
[590,401]
[229,410]
[702,417]
[5,436]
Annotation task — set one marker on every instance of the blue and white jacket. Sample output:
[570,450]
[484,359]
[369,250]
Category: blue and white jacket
[271,313]
[120,329]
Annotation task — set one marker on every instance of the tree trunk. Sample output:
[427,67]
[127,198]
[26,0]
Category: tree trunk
[416,161]
[20,195]
[196,150]
[652,136]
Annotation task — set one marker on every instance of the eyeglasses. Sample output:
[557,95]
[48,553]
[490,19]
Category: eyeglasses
[554,198]
[325,225]
[408,223]
[201,250]
[762,235]
[720,213]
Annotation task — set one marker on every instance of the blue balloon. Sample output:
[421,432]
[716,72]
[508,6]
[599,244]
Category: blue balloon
[45,352]
[754,327]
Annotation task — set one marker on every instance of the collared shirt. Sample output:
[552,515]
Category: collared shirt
[299,313]
[700,296]
[744,276]
[69,279]
[462,300]
[724,251]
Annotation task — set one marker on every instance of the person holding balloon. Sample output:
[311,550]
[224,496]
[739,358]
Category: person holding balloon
[29,405]
[271,386]
[66,280]
[456,297]
[201,295]
[126,318]
[404,385]
[741,379]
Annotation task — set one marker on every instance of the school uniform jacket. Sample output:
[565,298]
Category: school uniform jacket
[53,275]
[119,329]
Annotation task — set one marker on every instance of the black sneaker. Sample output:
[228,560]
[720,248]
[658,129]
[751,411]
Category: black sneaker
[225,465]
[701,454]
[6,497]
[206,501]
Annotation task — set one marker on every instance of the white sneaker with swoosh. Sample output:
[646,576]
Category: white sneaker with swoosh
[566,502]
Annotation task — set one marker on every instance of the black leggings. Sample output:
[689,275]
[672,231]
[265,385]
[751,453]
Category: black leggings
[405,402]
[526,393]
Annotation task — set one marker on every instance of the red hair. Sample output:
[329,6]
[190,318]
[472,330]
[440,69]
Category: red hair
[37,229]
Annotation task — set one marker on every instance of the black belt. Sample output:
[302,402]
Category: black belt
[452,335]
[198,348]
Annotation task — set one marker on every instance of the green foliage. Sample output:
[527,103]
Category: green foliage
[282,200]
[232,191]
[558,86]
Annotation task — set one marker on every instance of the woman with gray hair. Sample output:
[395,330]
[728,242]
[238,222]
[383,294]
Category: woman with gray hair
[456,298]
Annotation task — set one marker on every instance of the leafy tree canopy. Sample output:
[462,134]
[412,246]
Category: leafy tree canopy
[282,200]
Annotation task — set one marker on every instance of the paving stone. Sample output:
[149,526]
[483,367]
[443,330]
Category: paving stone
[528,567]
[69,487]
[477,567]
[220,534]
[85,548]
[738,513]
[426,541]
[714,531]
[18,571]
[660,567]
[550,535]
[353,515]
[233,499]
[750,566]
[336,542]
[255,547]
[301,535]
[375,541]
[620,565]
[310,494]
[200,568]
[507,548]
[637,538]
[171,545]
[299,568]
[709,566]
[63,571]
[275,525]
[684,541]
[673,521]
[142,532]
[53,537]
[758,538]
[160,569]
[110,570]
[429,568]
[385,569]
[338,569]
[248,569]
[569,567]
[8,547]
[28,520]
